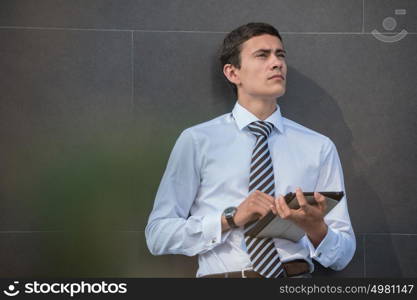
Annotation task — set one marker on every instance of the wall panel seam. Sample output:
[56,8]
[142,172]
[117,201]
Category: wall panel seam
[194,31]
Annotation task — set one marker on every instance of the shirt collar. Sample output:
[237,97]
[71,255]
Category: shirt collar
[243,117]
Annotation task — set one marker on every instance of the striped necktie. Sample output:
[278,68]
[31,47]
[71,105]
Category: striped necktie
[262,252]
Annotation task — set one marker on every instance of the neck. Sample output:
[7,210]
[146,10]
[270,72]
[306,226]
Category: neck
[261,108]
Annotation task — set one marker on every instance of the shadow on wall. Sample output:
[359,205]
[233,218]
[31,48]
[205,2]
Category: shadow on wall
[310,105]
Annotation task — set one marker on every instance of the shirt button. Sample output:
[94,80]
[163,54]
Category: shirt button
[319,255]
[213,240]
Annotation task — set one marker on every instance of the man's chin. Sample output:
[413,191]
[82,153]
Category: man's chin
[279,93]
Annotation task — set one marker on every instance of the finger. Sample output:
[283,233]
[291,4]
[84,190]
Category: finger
[264,211]
[261,204]
[274,209]
[286,211]
[321,201]
[255,193]
[278,206]
[262,208]
[267,198]
[301,199]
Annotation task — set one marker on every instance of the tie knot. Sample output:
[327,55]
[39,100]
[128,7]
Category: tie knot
[261,128]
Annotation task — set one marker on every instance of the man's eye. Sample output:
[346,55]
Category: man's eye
[261,55]
[281,55]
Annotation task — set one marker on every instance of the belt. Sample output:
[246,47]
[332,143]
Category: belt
[291,268]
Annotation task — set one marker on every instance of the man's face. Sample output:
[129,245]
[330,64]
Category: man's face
[263,69]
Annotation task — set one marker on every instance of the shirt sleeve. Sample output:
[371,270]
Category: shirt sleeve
[171,229]
[338,246]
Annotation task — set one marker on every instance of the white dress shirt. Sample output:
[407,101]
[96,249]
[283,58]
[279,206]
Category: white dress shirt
[208,171]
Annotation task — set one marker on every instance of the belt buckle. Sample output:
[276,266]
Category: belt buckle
[243,272]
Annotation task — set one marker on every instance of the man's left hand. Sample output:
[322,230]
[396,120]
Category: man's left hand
[308,217]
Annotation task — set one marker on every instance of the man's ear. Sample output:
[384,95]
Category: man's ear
[231,73]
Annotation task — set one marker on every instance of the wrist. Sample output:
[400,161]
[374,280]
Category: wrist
[229,215]
[318,234]
[240,219]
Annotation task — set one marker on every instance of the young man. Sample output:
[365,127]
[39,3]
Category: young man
[226,173]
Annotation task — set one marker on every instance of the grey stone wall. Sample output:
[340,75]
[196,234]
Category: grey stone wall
[93,94]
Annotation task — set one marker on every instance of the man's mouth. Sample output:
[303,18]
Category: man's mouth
[277,76]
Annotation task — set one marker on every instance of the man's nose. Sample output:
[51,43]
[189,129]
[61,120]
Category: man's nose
[276,63]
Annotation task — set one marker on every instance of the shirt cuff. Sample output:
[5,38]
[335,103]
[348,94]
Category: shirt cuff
[212,230]
[326,251]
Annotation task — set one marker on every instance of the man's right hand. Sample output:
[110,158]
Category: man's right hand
[255,206]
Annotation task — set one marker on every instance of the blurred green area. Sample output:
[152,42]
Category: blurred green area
[88,192]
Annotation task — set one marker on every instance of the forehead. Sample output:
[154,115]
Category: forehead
[264,41]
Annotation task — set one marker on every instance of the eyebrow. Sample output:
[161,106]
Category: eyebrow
[269,51]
